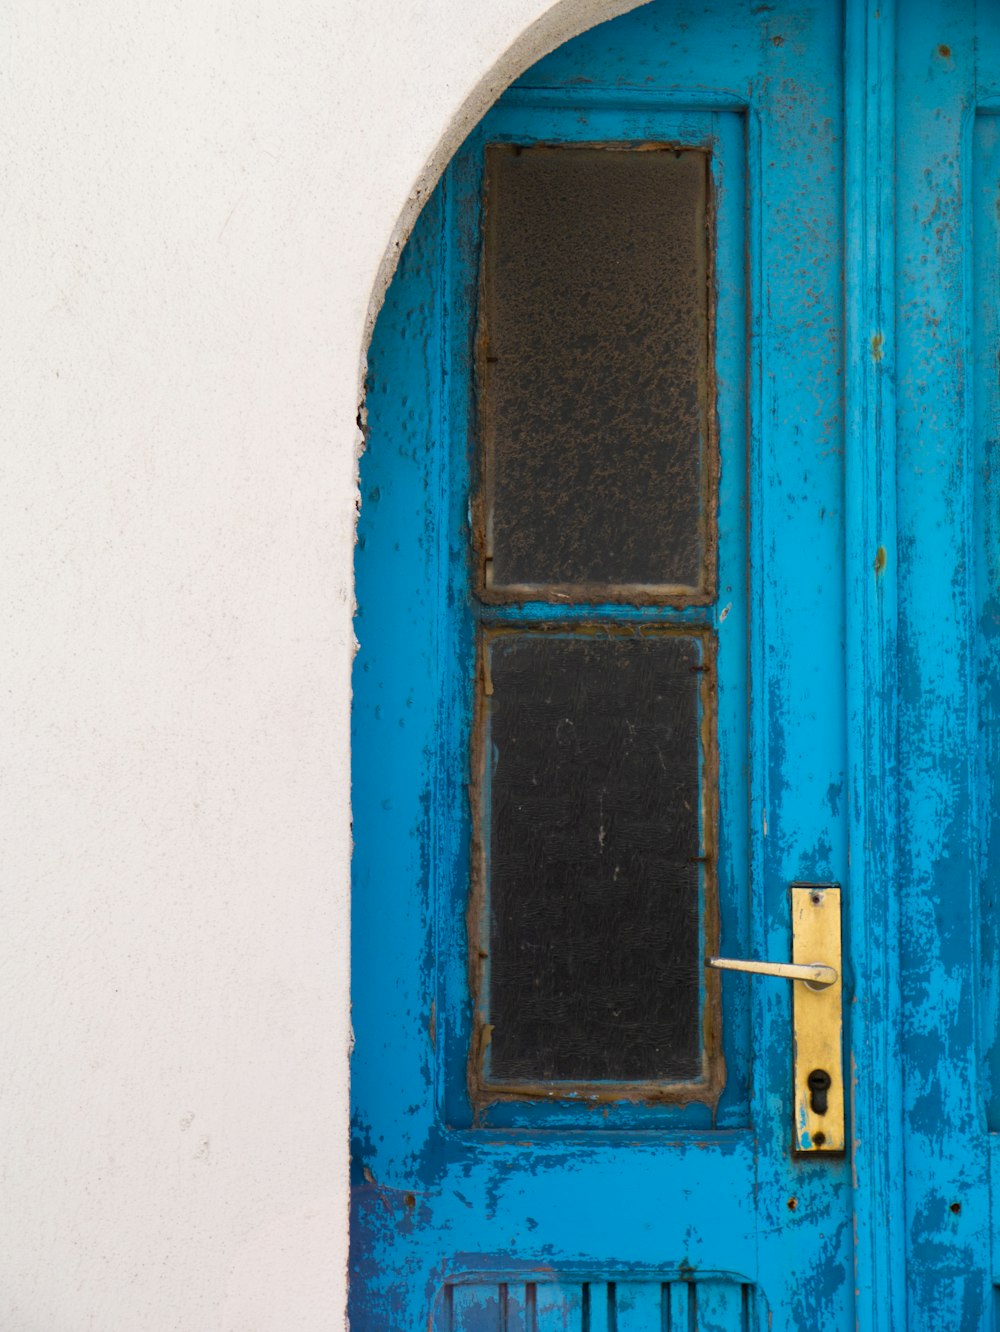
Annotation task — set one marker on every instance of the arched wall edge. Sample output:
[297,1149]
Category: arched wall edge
[562,21]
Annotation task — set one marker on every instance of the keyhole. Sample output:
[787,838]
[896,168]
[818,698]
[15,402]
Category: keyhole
[818,1083]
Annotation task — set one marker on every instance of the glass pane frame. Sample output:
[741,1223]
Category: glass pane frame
[484,1087]
[545,115]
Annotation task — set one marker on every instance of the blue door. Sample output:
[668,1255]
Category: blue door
[677,581]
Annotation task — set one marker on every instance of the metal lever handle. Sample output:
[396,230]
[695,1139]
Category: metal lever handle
[816,975]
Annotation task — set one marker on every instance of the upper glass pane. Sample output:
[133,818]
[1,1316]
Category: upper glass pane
[595,374]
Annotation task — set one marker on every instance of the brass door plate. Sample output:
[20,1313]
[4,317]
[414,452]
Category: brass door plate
[817,1017]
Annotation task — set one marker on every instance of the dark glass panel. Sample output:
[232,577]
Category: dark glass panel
[595,373]
[594,789]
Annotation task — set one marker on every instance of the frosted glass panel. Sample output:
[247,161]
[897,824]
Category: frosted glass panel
[594,796]
[595,370]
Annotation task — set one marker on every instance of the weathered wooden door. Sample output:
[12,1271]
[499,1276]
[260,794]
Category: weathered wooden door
[677,580]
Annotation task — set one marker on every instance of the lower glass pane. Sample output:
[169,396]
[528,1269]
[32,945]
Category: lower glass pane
[593,856]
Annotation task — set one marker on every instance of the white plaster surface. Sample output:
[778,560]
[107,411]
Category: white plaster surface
[198,199]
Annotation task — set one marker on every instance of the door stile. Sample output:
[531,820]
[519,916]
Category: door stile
[797,828]
[756,630]
[872,904]
[947,173]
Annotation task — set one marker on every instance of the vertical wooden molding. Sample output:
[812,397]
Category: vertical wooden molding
[873,897]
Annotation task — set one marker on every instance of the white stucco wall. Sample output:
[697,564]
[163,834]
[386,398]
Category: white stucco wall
[197,203]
